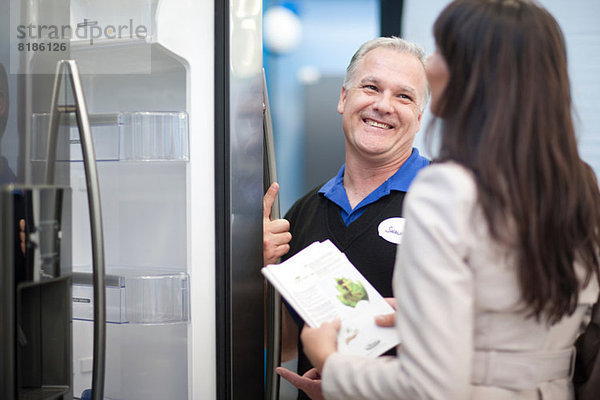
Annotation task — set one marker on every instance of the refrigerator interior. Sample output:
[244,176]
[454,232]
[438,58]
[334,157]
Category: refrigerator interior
[136,96]
[143,194]
[181,198]
[143,187]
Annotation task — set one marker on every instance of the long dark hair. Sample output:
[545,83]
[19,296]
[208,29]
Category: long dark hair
[506,115]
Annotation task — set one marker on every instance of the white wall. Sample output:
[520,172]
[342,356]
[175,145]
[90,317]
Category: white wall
[579,21]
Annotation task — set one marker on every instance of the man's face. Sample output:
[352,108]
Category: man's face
[381,107]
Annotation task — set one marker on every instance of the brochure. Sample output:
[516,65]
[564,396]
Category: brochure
[320,283]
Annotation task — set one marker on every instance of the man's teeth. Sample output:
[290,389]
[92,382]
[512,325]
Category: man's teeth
[378,124]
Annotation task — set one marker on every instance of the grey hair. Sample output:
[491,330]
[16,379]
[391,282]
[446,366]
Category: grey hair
[393,43]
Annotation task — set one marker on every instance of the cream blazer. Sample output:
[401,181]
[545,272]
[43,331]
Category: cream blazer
[458,297]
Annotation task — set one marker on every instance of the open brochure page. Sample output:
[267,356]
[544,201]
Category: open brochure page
[320,284]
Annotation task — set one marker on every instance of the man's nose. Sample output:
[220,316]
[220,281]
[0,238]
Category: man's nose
[384,103]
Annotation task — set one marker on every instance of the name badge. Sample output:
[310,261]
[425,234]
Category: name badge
[392,229]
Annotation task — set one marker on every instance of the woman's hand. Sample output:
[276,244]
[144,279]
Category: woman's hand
[309,383]
[319,343]
[387,320]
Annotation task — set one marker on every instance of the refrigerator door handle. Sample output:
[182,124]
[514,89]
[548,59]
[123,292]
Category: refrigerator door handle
[273,298]
[93,190]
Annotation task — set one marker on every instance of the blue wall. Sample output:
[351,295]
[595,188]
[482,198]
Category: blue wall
[333,30]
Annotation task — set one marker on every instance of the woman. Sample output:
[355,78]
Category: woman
[499,261]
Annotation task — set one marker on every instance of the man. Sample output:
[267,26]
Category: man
[382,101]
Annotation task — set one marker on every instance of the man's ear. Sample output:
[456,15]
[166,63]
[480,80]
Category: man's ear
[419,120]
[342,101]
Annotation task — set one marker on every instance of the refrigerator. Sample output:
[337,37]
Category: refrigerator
[174,94]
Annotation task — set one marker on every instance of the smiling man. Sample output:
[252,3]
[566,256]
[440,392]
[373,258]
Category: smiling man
[360,210]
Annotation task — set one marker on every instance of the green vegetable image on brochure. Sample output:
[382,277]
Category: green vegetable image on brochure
[351,292]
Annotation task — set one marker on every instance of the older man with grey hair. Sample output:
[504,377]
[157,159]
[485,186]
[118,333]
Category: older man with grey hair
[360,209]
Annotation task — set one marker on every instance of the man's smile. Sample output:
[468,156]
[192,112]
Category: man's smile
[377,124]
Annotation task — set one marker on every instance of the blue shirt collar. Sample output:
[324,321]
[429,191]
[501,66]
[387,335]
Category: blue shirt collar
[334,189]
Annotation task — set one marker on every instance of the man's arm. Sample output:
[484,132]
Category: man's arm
[276,239]
[289,335]
[289,332]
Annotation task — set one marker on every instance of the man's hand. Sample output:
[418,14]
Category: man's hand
[319,343]
[309,383]
[276,234]
[22,235]
[387,320]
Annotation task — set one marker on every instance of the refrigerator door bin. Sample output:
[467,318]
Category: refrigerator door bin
[132,136]
[146,333]
[135,296]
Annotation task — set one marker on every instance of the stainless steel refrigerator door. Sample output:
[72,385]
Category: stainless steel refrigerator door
[239,175]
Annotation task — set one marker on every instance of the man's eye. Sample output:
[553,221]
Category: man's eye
[370,87]
[405,97]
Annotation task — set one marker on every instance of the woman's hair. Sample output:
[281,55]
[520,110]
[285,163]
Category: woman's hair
[506,115]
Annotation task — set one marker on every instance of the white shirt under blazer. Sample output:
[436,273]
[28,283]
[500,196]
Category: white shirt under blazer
[460,321]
